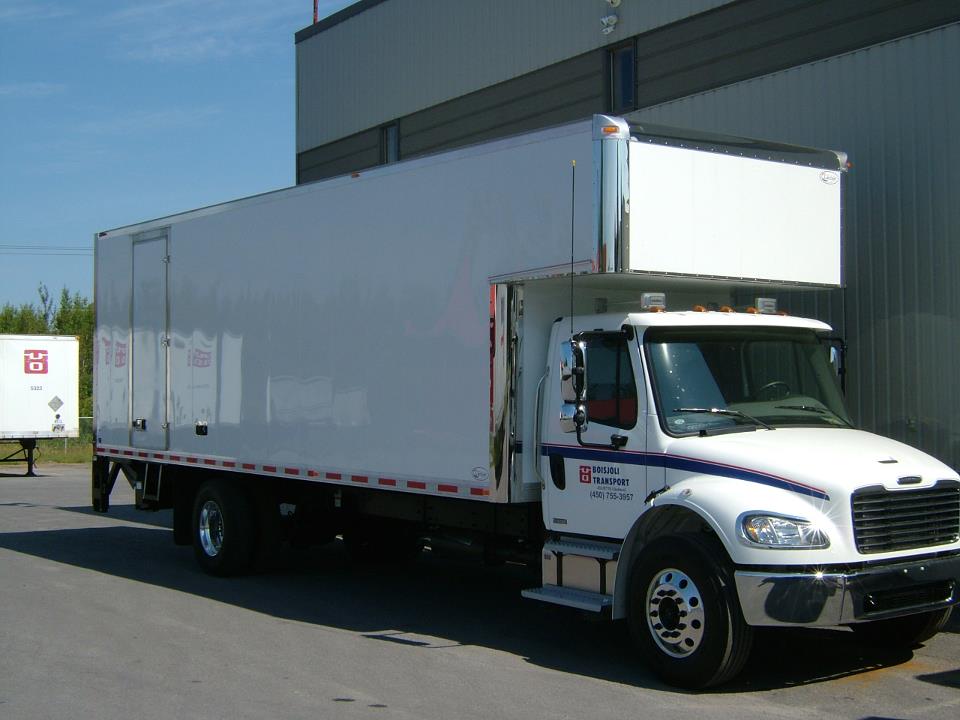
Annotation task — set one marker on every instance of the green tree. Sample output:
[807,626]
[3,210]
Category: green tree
[74,316]
[27,319]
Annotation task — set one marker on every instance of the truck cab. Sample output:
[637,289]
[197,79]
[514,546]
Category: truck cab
[701,476]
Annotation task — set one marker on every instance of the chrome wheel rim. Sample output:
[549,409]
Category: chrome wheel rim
[675,614]
[211,528]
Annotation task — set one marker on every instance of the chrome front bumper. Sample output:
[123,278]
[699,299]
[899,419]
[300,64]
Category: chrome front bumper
[873,592]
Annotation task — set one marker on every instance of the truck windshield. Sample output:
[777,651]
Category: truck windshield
[720,380]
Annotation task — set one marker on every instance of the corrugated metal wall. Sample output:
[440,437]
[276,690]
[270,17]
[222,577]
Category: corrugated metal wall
[398,57]
[895,108]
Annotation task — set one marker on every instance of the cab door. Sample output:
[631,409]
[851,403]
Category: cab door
[595,484]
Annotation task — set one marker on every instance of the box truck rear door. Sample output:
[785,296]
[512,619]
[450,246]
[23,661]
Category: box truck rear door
[148,356]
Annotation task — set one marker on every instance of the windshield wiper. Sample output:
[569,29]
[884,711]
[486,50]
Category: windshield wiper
[813,409]
[728,412]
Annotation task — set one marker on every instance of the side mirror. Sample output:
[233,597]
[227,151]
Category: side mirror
[573,370]
[573,417]
[838,359]
[573,383]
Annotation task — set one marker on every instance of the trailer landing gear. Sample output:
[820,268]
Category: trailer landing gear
[23,454]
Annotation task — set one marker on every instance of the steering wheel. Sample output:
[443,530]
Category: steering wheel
[784,390]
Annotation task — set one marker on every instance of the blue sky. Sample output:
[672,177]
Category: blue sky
[116,111]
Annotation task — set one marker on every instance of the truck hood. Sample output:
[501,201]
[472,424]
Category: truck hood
[826,463]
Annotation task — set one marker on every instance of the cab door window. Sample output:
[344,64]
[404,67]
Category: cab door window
[611,396]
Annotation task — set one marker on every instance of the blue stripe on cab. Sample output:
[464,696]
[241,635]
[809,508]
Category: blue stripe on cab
[682,464]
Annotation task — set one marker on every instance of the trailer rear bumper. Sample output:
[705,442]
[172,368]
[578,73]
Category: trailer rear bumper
[829,599]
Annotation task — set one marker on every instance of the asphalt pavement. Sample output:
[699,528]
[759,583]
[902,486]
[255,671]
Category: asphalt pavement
[102,616]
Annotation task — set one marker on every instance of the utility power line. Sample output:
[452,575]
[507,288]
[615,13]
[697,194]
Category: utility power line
[47,250]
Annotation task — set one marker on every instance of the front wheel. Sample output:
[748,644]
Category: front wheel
[223,528]
[684,615]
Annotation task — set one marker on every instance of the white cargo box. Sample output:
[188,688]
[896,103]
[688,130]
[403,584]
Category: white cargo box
[39,393]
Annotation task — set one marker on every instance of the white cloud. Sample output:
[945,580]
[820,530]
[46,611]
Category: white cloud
[141,122]
[32,11]
[30,89]
[190,31]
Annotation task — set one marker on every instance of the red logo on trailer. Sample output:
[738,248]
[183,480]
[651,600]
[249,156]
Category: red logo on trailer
[35,362]
[199,358]
[586,474]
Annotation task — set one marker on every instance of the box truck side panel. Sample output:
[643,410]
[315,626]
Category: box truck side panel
[711,214]
[344,328]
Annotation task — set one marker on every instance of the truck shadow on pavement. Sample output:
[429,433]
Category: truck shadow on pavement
[431,602]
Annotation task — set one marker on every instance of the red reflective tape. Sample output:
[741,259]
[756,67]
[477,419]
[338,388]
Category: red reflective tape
[359,478]
[158,456]
[208,461]
[192,460]
[389,482]
[416,485]
[143,454]
[447,488]
[248,466]
[99,449]
[229,464]
[479,491]
[292,471]
[333,476]
[128,453]
[312,473]
[270,468]
[175,458]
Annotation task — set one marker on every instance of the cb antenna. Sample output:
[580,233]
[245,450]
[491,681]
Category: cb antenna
[573,214]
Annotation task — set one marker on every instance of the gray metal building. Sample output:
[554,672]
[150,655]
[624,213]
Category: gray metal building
[389,79]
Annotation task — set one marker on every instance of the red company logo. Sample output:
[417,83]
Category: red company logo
[199,358]
[586,474]
[35,362]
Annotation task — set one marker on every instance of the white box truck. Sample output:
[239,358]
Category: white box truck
[39,392]
[538,344]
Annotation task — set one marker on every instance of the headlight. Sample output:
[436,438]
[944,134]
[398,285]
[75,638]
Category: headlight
[782,532]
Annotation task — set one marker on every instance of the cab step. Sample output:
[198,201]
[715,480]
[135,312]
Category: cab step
[580,599]
[584,548]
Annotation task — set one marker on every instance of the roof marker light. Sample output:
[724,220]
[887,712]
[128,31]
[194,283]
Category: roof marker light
[653,301]
[766,306]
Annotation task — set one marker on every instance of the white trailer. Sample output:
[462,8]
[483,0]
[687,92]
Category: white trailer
[476,344]
[39,392]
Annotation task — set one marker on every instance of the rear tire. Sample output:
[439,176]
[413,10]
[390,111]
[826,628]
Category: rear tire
[903,632]
[224,529]
[684,615]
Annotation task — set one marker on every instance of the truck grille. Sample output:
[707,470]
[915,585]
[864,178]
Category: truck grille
[899,520]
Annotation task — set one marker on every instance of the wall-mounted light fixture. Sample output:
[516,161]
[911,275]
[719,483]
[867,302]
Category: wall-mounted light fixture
[608,24]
